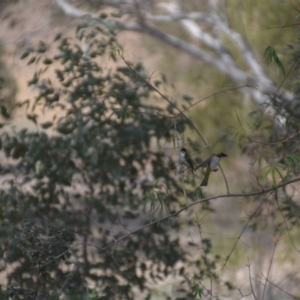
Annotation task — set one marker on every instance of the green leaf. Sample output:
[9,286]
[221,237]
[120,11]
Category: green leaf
[197,194]
[197,290]
[24,54]
[273,170]
[258,160]
[271,55]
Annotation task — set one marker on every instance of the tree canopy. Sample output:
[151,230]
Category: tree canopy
[95,202]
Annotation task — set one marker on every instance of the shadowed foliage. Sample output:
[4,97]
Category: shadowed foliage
[85,178]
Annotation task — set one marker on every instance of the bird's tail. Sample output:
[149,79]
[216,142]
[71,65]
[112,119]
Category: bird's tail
[205,180]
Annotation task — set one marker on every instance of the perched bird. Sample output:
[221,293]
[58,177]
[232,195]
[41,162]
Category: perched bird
[186,160]
[211,165]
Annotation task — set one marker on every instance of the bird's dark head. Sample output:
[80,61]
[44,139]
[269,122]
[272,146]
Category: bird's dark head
[183,150]
[222,154]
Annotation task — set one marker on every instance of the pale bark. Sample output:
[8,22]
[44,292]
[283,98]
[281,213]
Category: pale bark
[140,18]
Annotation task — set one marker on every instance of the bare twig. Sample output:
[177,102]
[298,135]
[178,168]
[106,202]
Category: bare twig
[278,287]
[250,279]
[37,282]
[244,228]
[223,91]
[238,195]
[269,269]
[206,260]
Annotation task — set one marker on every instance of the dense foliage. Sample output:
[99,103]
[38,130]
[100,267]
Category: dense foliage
[86,176]
[84,187]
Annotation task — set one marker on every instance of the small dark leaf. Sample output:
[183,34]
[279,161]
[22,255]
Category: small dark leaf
[65,129]
[57,37]
[116,15]
[60,75]
[42,47]
[103,15]
[34,80]
[157,83]
[32,118]
[270,55]
[163,77]
[19,151]
[229,285]
[32,60]
[24,54]
[4,112]
[47,61]
[187,98]
[81,26]
[46,125]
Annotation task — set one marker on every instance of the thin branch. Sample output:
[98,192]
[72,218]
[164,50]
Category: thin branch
[206,260]
[182,174]
[250,279]
[37,282]
[214,94]
[244,228]
[276,143]
[284,26]
[267,190]
[269,269]
[225,179]
[278,287]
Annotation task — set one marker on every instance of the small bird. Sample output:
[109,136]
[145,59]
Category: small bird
[186,160]
[211,165]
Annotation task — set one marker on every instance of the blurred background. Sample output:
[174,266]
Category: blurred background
[238,60]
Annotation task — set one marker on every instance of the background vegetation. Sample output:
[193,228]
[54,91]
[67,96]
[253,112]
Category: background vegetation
[94,201]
